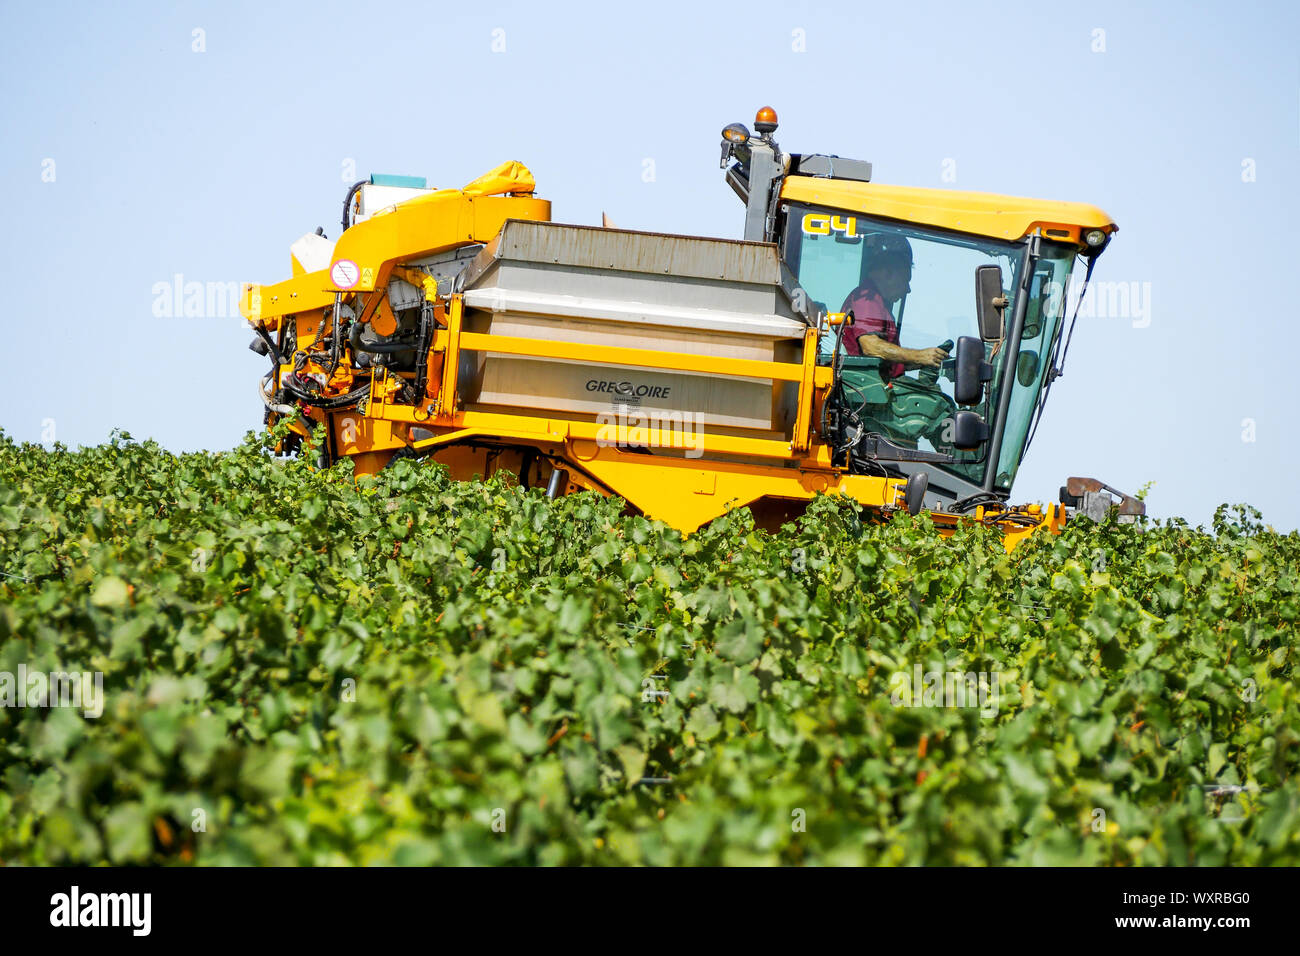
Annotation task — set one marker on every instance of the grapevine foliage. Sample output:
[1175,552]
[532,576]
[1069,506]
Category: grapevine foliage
[299,668]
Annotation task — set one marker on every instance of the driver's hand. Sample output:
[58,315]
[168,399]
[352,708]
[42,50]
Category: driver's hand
[932,357]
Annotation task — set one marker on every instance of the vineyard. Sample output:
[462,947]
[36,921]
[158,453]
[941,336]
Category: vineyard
[300,668]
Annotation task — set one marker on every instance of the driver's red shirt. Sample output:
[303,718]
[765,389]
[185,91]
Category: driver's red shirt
[871,317]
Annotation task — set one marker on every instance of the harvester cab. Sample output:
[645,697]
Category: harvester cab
[980,279]
[886,343]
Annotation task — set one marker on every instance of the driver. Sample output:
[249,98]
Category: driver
[874,333]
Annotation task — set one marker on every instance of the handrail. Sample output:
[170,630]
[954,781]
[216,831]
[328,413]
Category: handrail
[623,355]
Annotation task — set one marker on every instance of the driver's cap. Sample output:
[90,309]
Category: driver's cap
[886,246]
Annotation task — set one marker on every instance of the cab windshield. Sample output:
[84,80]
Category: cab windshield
[912,295]
[1044,309]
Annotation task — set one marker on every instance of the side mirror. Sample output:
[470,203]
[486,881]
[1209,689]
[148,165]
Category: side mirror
[968,430]
[971,371]
[914,491]
[989,301]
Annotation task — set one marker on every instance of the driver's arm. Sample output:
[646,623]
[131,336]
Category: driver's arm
[876,347]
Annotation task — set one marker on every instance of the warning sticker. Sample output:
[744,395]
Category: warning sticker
[344,274]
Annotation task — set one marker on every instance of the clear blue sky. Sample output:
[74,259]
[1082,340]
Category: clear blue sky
[208,164]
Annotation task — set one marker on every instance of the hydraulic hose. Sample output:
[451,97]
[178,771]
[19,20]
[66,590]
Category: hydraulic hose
[273,350]
[347,201]
[266,399]
[338,401]
[836,391]
[336,333]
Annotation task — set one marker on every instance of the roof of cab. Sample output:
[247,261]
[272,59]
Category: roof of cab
[981,214]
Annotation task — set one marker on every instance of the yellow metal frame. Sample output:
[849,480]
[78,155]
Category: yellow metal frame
[437,223]
[441,409]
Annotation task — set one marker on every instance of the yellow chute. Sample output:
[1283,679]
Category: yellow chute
[509,177]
